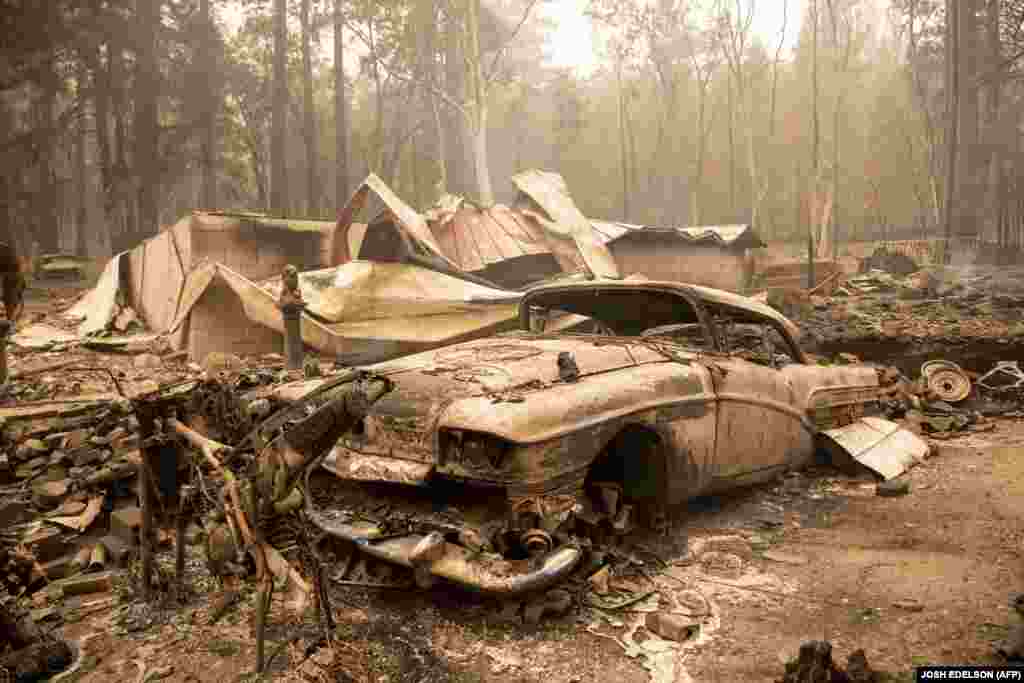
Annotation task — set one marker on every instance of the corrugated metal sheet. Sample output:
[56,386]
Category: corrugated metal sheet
[476,238]
[411,224]
[564,220]
[882,446]
[732,236]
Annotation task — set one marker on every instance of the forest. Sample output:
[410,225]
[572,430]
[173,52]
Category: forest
[878,119]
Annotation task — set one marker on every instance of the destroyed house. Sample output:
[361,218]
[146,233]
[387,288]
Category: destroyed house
[151,277]
[399,294]
[713,256]
[542,236]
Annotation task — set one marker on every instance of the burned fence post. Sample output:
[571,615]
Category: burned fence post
[158,481]
[292,306]
[171,455]
[147,430]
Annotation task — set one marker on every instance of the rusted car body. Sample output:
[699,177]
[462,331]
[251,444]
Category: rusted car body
[663,392]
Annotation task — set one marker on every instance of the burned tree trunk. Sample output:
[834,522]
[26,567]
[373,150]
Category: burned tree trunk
[147,124]
[278,137]
[814,664]
[309,116]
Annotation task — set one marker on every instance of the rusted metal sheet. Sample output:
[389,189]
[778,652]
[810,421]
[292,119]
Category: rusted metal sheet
[550,193]
[409,220]
[669,259]
[358,467]
[729,236]
[475,238]
[98,307]
[880,445]
[366,290]
[367,312]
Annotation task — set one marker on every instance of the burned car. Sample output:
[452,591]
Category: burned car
[534,445]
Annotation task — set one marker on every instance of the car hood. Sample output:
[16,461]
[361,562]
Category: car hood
[507,369]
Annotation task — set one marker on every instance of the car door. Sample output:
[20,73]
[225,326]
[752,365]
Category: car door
[760,424]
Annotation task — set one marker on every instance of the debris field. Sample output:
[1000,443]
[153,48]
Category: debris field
[149,497]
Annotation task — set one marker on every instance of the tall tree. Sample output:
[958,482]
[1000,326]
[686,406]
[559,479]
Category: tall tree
[278,136]
[458,171]
[81,178]
[309,115]
[341,182]
[735,21]
[208,38]
[47,214]
[147,123]
[812,235]
[952,116]
[968,200]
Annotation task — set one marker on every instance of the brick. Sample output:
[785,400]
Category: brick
[126,524]
[672,626]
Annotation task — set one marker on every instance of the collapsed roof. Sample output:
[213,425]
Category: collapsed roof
[544,233]
[725,236]
[402,295]
[400,283]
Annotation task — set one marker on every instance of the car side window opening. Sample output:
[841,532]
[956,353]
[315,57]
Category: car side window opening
[757,342]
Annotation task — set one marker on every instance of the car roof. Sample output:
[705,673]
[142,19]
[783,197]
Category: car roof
[708,296]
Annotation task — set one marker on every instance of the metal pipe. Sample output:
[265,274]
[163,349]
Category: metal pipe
[456,564]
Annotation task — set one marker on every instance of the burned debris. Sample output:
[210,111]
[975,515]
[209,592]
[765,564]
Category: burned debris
[512,444]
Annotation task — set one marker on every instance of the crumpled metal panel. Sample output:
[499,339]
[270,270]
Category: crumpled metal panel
[414,224]
[372,291]
[733,236]
[99,305]
[549,192]
[360,467]
[476,238]
[880,445]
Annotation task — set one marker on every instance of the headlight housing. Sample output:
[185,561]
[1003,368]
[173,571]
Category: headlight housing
[473,450]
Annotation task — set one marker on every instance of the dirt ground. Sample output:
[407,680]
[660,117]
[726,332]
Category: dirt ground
[924,578]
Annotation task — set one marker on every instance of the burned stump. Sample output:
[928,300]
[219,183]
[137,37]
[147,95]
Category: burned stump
[814,664]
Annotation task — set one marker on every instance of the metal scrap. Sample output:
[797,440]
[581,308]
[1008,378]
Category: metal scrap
[946,380]
[1005,375]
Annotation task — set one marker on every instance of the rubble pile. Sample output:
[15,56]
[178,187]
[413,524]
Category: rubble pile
[928,304]
[69,473]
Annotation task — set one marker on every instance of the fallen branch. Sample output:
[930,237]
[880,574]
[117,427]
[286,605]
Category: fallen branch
[208,447]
